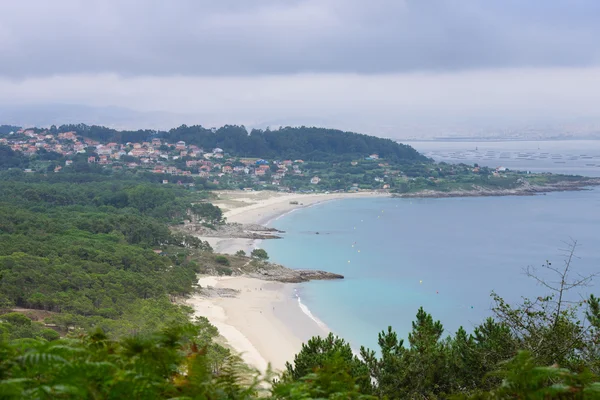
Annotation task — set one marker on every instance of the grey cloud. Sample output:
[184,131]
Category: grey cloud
[238,38]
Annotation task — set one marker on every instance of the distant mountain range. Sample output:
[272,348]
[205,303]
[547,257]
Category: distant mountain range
[45,115]
[114,117]
[403,127]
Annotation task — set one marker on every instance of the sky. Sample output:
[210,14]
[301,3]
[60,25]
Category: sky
[388,67]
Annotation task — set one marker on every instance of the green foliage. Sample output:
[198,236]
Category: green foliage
[331,380]
[225,271]
[86,251]
[183,361]
[12,159]
[324,353]
[220,259]
[208,213]
[421,371]
[523,378]
[15,319]
[259,254]
[550,327]
[18,326]
[49,334]
[106,135]
[240,253]
[306,143]
[178,362]
[5,129]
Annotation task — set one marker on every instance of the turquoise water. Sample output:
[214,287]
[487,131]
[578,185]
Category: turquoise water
[446,255]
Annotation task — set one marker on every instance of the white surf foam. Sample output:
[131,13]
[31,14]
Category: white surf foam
[310,315]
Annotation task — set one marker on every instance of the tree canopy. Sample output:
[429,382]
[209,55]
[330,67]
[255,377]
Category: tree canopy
[306,143]
[85,252]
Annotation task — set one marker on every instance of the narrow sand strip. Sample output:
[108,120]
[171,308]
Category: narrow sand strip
[263,207]
[267,207]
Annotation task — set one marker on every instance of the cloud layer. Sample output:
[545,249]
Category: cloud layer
[267,37]
[392,104]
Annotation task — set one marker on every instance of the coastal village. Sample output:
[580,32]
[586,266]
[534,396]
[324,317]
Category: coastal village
[215,168]
[175,159]
[156,156]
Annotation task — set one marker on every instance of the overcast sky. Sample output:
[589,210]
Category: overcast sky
[352,63]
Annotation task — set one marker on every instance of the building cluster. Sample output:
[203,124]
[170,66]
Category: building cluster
[156,155]
[162,157]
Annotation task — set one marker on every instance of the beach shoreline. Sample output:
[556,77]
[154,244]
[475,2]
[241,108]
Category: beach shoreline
[262,323]
[262,208]
[266,322]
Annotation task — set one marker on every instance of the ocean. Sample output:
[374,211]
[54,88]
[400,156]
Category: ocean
[445,255]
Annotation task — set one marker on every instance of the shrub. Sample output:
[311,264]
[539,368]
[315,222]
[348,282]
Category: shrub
[225,271]
[259,254]
[49,334]
[222,260]
[15,318]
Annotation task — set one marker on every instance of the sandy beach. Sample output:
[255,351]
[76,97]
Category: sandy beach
[262,207]
[264,322]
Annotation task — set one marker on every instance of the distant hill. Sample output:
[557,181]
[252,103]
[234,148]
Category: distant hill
[116,117]
[306,143]
[6,129]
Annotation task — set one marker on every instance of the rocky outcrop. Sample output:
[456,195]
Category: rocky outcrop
[293,275]
[276,272]
[210,291]
[524,190]
[260,269]
[241,231]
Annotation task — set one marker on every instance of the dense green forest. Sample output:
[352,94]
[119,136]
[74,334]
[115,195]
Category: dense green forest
[12,159]
[83,249]
[306,143]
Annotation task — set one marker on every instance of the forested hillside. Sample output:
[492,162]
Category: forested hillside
[306,143]
[85,250]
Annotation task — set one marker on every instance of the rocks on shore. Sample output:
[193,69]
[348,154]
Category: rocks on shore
[210,291]
[280,273]
[260,269]
[525,190]
[235,230]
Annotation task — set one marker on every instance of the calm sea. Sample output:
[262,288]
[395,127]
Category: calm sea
[446,255]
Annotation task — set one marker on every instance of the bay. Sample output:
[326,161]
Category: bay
[446,255]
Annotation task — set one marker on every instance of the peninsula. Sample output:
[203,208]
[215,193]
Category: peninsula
[291,160]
